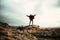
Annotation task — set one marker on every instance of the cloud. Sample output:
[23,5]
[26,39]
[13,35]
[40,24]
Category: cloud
[14,12]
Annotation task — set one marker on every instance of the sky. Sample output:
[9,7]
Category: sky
[47,12]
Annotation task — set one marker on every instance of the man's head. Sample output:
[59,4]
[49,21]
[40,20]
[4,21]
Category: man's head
[30,14]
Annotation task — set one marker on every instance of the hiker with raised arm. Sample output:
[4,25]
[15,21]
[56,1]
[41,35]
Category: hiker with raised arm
[31,17]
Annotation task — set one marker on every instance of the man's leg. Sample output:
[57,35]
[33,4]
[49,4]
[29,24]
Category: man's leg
[30,22]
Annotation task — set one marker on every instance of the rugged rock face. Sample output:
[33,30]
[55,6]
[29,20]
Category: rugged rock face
[27,32]
[11,33]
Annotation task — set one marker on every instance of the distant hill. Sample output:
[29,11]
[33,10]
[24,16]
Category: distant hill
[8,32]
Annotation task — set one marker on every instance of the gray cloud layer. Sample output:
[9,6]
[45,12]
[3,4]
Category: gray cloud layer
[14,11]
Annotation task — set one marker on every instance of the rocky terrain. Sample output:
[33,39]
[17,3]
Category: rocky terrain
[8,32]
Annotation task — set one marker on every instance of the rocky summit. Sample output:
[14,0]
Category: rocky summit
[13,33]
[28,32]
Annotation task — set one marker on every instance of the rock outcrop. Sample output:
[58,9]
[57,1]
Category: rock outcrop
[27,32]
[11,33]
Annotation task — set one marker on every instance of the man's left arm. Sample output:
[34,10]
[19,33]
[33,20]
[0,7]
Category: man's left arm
[34,14]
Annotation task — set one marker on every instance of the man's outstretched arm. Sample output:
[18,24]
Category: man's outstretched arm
[34,14]
[27,15]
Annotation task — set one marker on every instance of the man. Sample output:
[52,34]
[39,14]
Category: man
[31,17]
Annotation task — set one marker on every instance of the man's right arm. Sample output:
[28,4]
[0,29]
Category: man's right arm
[27,15]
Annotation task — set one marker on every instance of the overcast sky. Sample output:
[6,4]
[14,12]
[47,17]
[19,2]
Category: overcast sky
[47,12]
